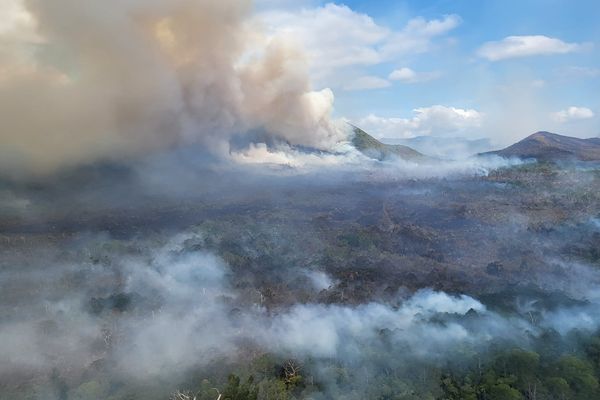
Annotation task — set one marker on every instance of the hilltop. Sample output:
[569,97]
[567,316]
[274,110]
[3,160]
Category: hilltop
[548,146]
[373,148]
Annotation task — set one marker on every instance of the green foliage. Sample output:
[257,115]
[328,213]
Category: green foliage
[521,374]
[372,147]
[454,390]
[579,374]
[272,389]
[235,390]
[502,391]
[592,350]
[558,387]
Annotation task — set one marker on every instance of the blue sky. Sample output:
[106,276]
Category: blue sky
[501,69]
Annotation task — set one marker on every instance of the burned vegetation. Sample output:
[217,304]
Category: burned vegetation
[464,287]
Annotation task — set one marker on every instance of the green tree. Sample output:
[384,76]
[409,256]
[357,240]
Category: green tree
[523,366]
[558,388]
[272,389]
[502,391]
[454,390]
[235,390]
[579,374]
[592,350]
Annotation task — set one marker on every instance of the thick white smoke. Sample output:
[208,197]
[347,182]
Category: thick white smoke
[86,80]
[185,314]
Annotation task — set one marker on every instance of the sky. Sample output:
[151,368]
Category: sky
[500,69]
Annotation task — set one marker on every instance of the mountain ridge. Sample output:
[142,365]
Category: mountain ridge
[548,146]
[373,148]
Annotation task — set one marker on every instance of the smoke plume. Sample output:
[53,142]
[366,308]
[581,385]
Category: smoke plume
[83,81]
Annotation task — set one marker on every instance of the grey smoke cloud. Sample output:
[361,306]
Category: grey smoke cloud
[84,81]
[183,315]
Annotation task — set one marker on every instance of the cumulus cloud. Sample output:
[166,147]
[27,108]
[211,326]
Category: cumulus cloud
[335,36]
[417,35]
[573,114]
[407,75]
[436,120]
[110,81]
[340,39]
[524,46]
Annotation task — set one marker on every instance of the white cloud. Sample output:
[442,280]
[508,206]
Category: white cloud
[341,41]
[417,35]
[436,120]
[403,74]
[524,46]
[367,83]
[573,114]
[407,75]
[389,127]
[334,36]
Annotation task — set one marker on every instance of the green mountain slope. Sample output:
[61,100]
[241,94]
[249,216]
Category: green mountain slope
[551,146]
[373,148]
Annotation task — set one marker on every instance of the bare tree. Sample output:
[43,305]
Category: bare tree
[188,395]
[179,395]
[291,370]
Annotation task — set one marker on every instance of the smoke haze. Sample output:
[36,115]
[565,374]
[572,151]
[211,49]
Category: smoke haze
[141,76]
[155,305]
[177,203]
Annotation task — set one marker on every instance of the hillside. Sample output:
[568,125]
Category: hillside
[551,146]
[373,148]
